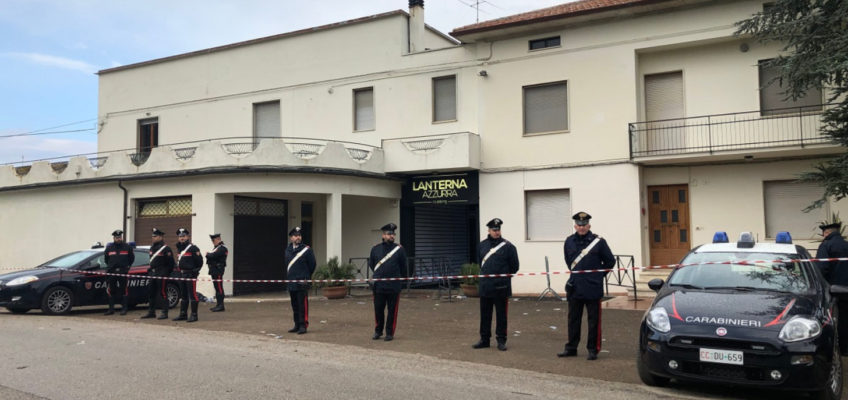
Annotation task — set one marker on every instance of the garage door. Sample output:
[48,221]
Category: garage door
[259,243]
[165,214]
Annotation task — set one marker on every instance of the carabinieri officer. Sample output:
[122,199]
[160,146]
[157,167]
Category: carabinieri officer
[119,256]
[585,250]
[189,262]
[300,265]
[161,266]
[496,256]
[217,262]
[387,260]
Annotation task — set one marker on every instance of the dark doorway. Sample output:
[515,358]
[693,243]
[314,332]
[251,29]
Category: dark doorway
[259,244]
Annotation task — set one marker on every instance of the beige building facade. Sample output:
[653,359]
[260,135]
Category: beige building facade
[650,116]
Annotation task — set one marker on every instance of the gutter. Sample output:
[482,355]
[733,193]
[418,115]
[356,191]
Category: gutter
[125,217]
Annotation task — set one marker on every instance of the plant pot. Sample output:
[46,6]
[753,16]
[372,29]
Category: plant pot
[469,290]
[334,292]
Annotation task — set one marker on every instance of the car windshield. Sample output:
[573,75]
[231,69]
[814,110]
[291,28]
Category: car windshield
[766,271]
[68,260]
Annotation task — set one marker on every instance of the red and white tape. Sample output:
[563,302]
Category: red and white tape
[432,278]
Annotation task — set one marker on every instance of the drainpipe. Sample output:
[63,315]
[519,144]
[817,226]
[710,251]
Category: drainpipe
[120,185]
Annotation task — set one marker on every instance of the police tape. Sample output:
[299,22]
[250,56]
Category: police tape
[449,277]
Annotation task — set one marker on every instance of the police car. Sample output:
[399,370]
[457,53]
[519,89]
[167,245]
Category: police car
[68,281]
[743,313]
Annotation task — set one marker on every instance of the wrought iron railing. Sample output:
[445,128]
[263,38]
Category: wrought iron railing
[795,126]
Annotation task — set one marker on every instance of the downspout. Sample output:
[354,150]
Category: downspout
[126,199]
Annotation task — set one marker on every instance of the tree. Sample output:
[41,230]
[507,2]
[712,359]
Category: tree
[814,39]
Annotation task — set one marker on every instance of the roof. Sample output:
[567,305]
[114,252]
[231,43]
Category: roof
[567,10]
[271,38]
[771,248]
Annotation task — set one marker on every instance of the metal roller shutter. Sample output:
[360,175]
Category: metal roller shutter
[441,232]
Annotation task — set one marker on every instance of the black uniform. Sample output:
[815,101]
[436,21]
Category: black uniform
[836,273]
[189,262]
[387,293]
[119,258]
[217,262]
[586,290]
[301,269]
[495,292]
[161,266]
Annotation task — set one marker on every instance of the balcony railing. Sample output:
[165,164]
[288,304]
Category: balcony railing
[797,126]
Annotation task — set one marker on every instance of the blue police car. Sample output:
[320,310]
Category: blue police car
[69,281]
[743,313]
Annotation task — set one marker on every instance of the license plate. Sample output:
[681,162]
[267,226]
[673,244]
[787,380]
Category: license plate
[721,356]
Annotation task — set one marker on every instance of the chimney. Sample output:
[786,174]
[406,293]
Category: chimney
[416,26]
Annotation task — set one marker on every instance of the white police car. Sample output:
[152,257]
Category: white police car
[743,313]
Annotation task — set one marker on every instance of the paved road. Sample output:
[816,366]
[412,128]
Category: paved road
[75,358]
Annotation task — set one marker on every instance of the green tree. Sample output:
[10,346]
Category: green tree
[814,39]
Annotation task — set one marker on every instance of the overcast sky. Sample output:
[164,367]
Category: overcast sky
[51,50]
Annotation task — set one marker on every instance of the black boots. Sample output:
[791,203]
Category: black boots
[151,312]
[295,329]
[183,311]
[301,330]
[124,306]
[193,316]
[111,309]
[501,345]
[220,307]
[482,344]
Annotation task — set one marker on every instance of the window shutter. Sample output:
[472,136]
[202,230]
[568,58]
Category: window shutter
[266,120]
[444,99]
[364,109]
[664,96]
[784,201]
[545,108]
[548,213]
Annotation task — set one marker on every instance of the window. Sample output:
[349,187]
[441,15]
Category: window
[544,43]
[784,201]
[444,98]
[548,214]
[266,120]
[306,220]
[363,109]
[773,100]
[148,134]
[545,108]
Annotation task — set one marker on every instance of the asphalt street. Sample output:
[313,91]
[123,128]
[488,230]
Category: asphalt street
[81,358]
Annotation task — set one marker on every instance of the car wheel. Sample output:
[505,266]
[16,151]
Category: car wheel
[647,377]
[57,300]
[173,292]
[833,387]
[14,310]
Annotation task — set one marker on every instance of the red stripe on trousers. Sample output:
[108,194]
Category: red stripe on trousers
[598,345]
[506,313]
[394,322]
[221,286]
[194,290]
[376,323]
[164,296]
[306,309]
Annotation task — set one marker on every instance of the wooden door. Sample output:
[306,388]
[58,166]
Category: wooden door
[668,222]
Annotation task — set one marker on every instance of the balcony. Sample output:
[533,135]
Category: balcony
[772,133]
[443,153]
[240,154]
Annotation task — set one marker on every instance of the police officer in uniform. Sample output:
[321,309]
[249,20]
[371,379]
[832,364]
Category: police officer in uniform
[496,255]
[585,251]
[217,262]
[387,260]
[161,266]
[189,262]
[836,272]
[119,256]
[300,265]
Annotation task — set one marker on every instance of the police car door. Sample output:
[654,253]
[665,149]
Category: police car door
[138,283]
[90,285]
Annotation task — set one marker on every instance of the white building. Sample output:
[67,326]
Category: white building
[646,114]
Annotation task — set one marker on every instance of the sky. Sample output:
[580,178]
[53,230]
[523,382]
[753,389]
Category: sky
[51,50]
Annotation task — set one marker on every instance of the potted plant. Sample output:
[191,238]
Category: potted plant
[469,284]
[331,270]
